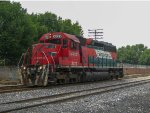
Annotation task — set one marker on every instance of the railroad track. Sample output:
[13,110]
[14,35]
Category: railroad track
[34,102]
[10,89]
[20,88]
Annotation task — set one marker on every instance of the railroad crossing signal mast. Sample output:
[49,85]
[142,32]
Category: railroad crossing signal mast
[97,33]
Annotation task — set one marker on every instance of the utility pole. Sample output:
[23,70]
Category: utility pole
[97,33]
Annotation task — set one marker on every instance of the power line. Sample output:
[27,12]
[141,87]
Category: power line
[97,33]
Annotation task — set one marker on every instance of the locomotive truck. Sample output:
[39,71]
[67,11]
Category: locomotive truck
[60,58]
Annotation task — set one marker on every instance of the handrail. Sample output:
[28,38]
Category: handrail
[46,59]
[53,60]
[20,59]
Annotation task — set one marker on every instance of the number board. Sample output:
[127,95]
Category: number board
[57,36]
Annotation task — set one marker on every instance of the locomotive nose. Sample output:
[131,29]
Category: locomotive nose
[45,54]
[44,57]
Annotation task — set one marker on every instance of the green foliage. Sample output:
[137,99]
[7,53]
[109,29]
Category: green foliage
[145,57]
[49,22]
[18,29]
[135,54]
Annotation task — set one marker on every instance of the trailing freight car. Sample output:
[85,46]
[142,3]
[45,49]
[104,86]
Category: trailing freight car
[64,58]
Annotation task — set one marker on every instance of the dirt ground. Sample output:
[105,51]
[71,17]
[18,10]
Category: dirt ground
[9,82]
[135,76]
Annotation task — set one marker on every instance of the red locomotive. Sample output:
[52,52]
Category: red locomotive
[63,58]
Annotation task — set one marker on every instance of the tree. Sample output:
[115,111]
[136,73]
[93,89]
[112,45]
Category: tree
[49,22]
[17,31]
[145,57]
[131,54]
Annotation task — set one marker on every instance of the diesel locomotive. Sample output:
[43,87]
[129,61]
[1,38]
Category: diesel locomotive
[60,58]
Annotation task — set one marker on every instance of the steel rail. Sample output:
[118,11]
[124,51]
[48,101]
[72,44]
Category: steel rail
[10,89]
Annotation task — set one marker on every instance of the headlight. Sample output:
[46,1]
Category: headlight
[40,67]
[24,68]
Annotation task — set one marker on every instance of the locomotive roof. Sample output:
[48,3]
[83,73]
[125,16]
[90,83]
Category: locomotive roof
[95,43]
[72,37]
[48,35]
[79,39]
[107,46]
[102,43]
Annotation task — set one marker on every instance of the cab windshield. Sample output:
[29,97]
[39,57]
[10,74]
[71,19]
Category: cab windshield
[54,41]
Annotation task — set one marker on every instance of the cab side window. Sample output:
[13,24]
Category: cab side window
[74,45]
[65,43]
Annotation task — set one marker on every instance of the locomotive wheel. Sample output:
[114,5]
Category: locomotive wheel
[58,81]
[117,77]
[83,77]
[70,80]
[63,81]
[78,79]
[111,78]
[66,80]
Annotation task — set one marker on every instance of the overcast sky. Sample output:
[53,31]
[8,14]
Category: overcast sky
[123,22]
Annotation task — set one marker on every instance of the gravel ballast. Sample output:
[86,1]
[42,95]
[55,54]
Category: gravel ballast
[127,100]
[15,96]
